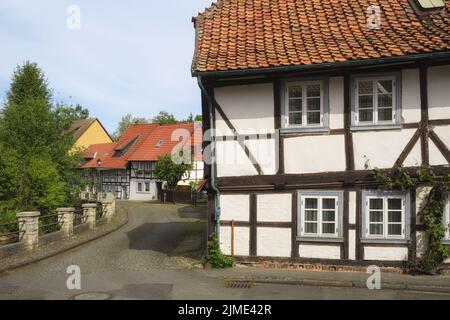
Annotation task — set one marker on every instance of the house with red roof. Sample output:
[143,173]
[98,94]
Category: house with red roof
[126,167]
[305,98]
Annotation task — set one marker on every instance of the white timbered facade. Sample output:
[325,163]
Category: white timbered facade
[295,142]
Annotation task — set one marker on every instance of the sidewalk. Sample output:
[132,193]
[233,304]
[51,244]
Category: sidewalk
[333,279]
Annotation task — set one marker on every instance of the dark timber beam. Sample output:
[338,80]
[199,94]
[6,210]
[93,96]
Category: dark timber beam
[277,124]
[412,249]
[253,224]
[440,145]
[409,147]
[247,151]
[294,231]
[326,179]
[423,71]
[349,154]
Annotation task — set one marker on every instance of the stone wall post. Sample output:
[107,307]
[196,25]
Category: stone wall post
[109,208]
[29,228]
[65,219]
[90,214]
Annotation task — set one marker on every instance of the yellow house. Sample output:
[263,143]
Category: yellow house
[88,132]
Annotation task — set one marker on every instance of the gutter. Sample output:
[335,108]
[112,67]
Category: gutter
[354,63]
[213,158]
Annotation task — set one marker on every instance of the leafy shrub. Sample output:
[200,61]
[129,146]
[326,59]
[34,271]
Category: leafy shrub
[215,256]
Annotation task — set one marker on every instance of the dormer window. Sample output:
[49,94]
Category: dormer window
[430,4]
[159,144]
[427,6]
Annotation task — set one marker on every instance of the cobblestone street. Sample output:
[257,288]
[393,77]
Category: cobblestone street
[156,256]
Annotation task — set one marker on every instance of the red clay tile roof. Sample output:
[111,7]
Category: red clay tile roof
[253,34]
[151,148]
[144,139]
[98,152]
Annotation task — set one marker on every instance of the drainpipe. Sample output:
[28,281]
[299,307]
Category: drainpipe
[213,158]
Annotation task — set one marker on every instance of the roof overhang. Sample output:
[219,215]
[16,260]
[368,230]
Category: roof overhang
[324,66]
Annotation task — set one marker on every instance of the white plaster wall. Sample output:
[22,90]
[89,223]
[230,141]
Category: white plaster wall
[247,107]
[414,159]
[336,103]
[274,242]
[311,154]
[385,253]
[274,207]
[265,152]
[320,252]
[136,196]
[436,157]
[410,96]
[352,244]
[352,207]
[235,207]
[439,92]
[422,243]
[232,160]
[241,240]
[381,148]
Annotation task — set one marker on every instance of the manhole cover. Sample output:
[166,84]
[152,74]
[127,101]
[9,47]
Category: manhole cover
[92,296]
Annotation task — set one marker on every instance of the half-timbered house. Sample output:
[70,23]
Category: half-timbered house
[305,98]
[126,167]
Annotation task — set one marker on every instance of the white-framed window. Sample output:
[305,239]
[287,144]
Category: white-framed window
[320,214]
[143,187]
[304,104]
[386,216]
[376,101]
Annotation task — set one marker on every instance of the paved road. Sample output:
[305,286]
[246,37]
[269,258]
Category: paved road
[154,257]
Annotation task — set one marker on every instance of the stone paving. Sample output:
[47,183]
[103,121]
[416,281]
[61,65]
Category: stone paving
[156,256]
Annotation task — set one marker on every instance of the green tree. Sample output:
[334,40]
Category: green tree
[170,172]
[37,169]
[198,117]
[126,121]
[28,81]
[72,113]
[190,118]
[163,117]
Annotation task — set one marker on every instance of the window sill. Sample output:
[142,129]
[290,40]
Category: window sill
[321,130]
[316,239]
[385,241]
[374,127]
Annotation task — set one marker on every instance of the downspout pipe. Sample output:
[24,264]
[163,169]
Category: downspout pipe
[213,157]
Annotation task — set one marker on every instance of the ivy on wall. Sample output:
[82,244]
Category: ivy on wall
[431,213]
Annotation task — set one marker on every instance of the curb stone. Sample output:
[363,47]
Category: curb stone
[343,284]
[58,252]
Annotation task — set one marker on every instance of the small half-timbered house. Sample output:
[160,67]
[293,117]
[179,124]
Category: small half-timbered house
[126,167]
[306,97]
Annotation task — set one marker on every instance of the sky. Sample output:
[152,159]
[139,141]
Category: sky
[112,56]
